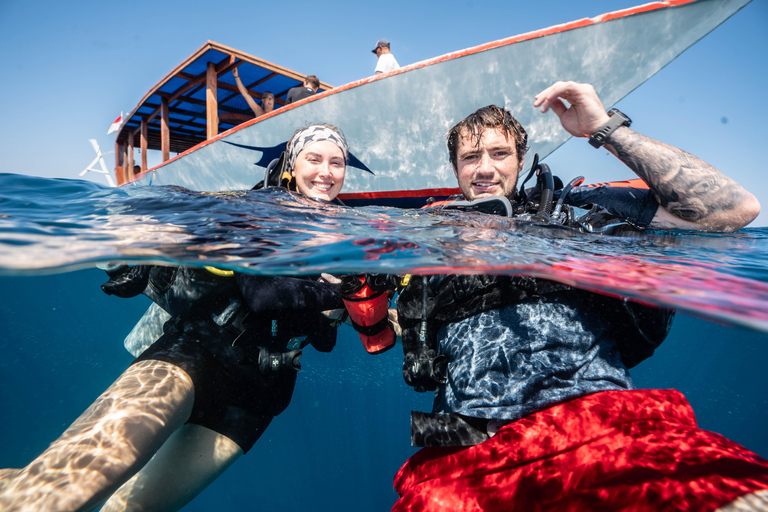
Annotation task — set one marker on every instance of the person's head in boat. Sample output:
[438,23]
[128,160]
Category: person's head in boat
[312,82]
[317,158]
[268,102]
[486,150]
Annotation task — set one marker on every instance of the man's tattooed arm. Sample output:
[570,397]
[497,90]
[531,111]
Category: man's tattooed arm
[691,193]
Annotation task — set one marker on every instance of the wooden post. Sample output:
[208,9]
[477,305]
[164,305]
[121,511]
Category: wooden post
[130,156]
[211,100]
[128,171]
[143,144]
[165,134]
[120,174]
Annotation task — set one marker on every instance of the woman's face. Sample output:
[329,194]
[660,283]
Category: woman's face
[319,170]
[268,103]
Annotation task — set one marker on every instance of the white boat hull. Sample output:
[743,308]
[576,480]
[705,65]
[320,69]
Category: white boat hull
[396,124]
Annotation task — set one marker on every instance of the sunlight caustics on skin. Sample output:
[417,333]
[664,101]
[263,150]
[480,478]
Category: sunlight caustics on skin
[104,446]
[752,502]
[161,485]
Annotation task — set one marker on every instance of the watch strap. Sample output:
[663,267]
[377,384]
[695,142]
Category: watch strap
[617,120]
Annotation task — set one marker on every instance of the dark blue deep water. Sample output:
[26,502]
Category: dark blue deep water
[346,432]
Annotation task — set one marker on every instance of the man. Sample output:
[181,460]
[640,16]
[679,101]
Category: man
[310,87]
[387,61]
[534,405]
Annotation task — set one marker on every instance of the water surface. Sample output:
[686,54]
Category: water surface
[346,431]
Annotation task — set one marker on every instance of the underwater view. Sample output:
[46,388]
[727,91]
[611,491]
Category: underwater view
[346,431]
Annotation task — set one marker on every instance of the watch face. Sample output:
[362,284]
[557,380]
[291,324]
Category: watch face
[622,115]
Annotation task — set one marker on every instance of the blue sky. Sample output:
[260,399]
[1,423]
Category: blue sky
[71,67]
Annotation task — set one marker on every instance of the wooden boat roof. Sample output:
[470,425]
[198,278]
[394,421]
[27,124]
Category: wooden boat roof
[185,89]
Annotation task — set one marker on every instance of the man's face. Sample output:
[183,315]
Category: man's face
[268,102]
[489,168]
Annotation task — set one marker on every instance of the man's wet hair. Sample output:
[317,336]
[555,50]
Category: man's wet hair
[313,81]
[482,119]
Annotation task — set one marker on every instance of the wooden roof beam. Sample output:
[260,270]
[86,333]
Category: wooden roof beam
[233,54]
[184,131]
[226,108]
[184,112]
[193,124]
[221,67]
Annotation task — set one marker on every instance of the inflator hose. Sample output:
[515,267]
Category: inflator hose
[547,190]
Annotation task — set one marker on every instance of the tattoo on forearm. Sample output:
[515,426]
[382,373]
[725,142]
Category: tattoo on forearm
[683,184]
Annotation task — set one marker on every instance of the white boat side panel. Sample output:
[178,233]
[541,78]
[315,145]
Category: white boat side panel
[396,125]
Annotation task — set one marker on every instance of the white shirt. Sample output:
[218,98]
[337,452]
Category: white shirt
[386,63]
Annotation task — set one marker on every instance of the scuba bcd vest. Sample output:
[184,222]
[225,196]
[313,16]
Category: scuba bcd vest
[209,300]
[426,304]
[537,204]
[277,174]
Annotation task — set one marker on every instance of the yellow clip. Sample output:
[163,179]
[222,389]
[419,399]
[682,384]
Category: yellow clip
[406,279]
[219,272]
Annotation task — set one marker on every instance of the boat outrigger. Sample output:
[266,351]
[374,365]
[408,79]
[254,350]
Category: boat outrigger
[396,122]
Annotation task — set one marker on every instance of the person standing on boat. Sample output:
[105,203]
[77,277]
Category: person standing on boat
[267,99]
[534,406]
[202,394]
[310,87]
[387,61]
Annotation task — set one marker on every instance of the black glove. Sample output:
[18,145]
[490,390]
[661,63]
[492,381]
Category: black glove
[323,338]
[126,282]
[278,294]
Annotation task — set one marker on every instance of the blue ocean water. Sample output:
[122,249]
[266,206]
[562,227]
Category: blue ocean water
[346,432]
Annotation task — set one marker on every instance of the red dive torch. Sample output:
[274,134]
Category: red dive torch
[366,299]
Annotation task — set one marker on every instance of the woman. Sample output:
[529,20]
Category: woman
[202,394]
[267,98]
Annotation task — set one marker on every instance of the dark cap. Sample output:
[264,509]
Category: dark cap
[381,43]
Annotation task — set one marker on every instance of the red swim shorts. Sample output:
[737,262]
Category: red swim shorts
[615,450]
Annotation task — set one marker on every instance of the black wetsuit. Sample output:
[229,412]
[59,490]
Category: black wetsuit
[239,338]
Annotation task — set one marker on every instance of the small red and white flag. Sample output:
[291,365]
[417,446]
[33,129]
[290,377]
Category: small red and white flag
[116,124]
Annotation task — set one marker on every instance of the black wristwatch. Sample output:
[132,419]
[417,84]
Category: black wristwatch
[617,120]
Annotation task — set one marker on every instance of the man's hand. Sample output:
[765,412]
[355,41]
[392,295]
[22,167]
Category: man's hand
[586,113]
[691,193]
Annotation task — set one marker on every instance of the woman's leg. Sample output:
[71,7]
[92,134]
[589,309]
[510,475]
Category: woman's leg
[106,445]
[192,458]
[752,502]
